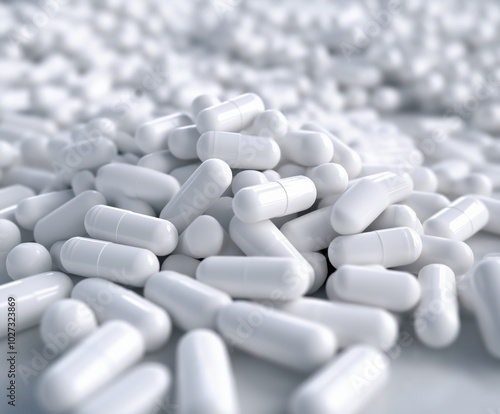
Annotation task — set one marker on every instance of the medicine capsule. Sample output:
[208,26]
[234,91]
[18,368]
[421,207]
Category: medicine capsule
[307,148]
[182,142]
[329,178]
[152,135]
[14,194]
[28,259]
[134,205]
[231,116]
[114,262]
[162,161]
[397,215]
[33,295]
[493,206]
[455,254]
[425,204]
[460,220]
[191,304]
[33,209]
[68,220]
[11,237]
[83,181]
[388,289]
[362,203]
[391,247]
[202,238]
[202,102]
[181,263]
[486,291]
[239,150]
[205,382]
[277,278]
[275,199]
[182,174]
[139,390]
[65,323]
[247,178]
[436,319]
[276,336]
[111,301]
[351,323]
[345,385]
[89,366]
[151,186]
[320,266]
[125,227]
[270,123]
[198,193]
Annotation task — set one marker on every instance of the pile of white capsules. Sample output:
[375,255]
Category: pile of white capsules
[291,180]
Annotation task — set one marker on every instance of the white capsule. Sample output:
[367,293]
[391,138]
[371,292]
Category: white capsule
[231,116]
[28,259]
[202,102]
[181,263]
[264,239]
[310,232]
[65,323]
[11,237]
[275,199]
[342,153]
[115,262]
[239,150]
[198,193]
[14,194]
[34,178]
[453,253]
[8,154]
[290,170]
[151,186]
[270,123]
[191,304]
[182,174]
[89,366]
[351,323]
[205,380]
[276,336]
[83,181]
[125,227]
[486,291]
[139,390]
[391,247]
[111,301]
[463,218]
[474,183]
[135,205]
[32,296]
[202,238]
[162,161]
[68,220]
[182,142]
[397,215]
[329,178]
[425,204]
[277,278]
[320,266]
[493,206]
[307,148]
[436,318]
[247,178]
[389,289]
[152,135]
[362,203]
[345,385]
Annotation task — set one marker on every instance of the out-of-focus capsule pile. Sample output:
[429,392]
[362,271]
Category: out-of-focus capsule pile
[291,180]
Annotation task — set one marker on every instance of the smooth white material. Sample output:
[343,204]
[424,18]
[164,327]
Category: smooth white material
[28,259]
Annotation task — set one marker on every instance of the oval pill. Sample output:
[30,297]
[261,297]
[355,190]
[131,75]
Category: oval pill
[28,259]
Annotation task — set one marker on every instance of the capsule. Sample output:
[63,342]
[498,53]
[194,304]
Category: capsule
[33,295]
[202,102]
[391,247]
[14,194]
[162,161]
[111,301]
[270,123]
[65,323]
[486,291]
[132,229]
[463,218]
[139,390]
[345,385]
[493,206]
[182,142]
[202,238]
[32,209]
[362,203]
[329,178]
[264,239]
[231,116]
[134,205]
[82,181]
[151,186]
[205,382]
[89,366]
[152,135]
[191,304]
[425,204]
[307,148]
[397,215]
[277,278]
[276,336]
[114,262]
[455,254]
[275,199]
[68,220]
[182,174]
[198,193]
[181,263]
[247,178]
[351,323]
[388,289]
[28,259]
[11,237]
[436,318]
